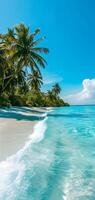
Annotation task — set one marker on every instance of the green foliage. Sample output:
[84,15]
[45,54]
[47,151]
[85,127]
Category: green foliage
[4,100]
[35,80]
[17,100]
[34,98]
[21,60]
[56,90]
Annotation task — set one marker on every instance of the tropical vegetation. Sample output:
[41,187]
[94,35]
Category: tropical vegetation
[21,60]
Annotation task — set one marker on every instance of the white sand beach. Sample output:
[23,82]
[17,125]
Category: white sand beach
[16,125]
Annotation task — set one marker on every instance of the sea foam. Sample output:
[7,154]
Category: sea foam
[13,168]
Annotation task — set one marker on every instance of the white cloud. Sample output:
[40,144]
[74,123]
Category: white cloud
[86,96]
[52,79]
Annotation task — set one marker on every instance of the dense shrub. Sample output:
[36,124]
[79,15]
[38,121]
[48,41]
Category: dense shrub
[4,100]
[17,100]
[34,98]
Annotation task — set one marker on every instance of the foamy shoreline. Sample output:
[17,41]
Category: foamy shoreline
[16,126]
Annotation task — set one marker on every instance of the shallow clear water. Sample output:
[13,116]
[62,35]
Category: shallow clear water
[58,161]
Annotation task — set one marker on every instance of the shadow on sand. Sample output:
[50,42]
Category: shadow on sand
[21,113]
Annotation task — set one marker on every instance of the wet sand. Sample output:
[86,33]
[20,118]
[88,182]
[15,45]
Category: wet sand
[16,125]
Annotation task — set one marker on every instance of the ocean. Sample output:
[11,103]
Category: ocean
[58,160]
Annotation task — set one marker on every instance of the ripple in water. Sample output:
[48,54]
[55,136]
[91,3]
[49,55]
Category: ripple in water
[57,163]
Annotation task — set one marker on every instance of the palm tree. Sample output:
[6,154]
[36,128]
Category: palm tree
[6,65]
[22,50]
[35,80]
[56,89]
[25,50]
[3,67]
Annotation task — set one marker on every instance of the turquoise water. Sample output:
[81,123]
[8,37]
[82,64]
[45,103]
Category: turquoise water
[58,161]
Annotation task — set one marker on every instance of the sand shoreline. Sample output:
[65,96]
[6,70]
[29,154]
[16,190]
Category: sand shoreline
[16,125]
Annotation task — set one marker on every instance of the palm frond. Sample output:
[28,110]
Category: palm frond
[40,50]
[34,66]
[39,59]
[35,42]
[35,32]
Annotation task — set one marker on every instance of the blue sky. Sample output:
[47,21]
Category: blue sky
[69,26]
